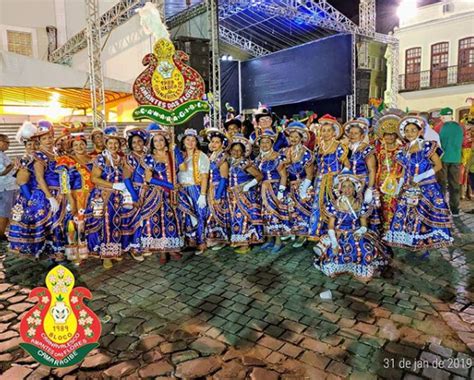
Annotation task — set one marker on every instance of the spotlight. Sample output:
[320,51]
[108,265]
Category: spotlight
[406,9]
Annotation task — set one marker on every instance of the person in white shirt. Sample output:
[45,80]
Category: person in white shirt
[8,186]
[193,176]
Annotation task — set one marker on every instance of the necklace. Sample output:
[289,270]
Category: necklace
[324,149]
[295,152]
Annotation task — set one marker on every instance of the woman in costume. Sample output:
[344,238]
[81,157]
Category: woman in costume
[330,159]
[422,219]
[218,222]
[246,220]
[79,165]
[273,191]
[136,138]
[388,170]
[193,177]
[25,178]
[300,168]
[232,126]
[349,247]
[363,164]
[105,206]
[161,230]
[45,232]
[264,122]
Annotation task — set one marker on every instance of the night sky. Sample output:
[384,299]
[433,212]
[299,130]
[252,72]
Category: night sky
[386,11]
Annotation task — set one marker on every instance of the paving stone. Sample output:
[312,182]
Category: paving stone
[230,371]
[122,369]
[97,361]
[168,348]
[156,369]
[8,334]
[20,307]
[399,349]
[339,369]
[183,356]
[16,372]
[207,346]
[315,360]
[153,355]
[128,325]
[10,345]
[7,316]
[440,350]
[150,341]
[290,350]
[435,374]
[198,367]
[252,361]
[122,343]
[61,372]
[263,374]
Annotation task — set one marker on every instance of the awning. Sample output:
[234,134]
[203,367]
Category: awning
[32,82]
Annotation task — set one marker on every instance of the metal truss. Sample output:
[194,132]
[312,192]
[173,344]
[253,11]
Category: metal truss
[94,47]
[351,101]
[215,80]
[367,17]
[243,43]
[186,15]
[115,16]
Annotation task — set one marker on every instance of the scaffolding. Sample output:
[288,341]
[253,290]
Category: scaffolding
[96,80]
[215,80]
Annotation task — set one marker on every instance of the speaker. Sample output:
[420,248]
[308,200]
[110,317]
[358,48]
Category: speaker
[362,86]
[198,51]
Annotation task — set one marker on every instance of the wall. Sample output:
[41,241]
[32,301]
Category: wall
[423,35]
[454,97]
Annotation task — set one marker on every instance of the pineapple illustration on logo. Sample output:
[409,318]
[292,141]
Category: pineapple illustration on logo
[60,330]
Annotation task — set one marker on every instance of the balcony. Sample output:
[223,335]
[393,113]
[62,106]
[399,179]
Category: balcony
[428,79]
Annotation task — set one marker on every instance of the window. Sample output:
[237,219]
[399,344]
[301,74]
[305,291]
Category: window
[439,64]
[466,60]
[412,68]
[20,43]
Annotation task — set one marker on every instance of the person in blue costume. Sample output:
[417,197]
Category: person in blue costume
[246,226]
[137,139]
[218,221]
[349,247]
[264,121]
[232,126]
[300,168]
[273,192]
[25,178]
[422,220]
[45,232]
[364,165]
[193,175]
[161,230]
[330,159]
[105,206]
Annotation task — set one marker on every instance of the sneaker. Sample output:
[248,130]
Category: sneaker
[243,250]
[267,245]
[199,252]
[147,254]
[283,238]
[217,247]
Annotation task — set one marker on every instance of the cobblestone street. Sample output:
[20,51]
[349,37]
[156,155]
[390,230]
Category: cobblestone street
[260,316]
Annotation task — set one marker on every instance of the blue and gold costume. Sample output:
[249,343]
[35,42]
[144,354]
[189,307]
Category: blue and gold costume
[218,222]
[246,219]
[422,219]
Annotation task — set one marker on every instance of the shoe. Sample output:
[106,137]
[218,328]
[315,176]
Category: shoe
[107,264]
[119,258]
[199,252]
[269,244]
[284,238]
[299,243]
[317,251]
[425,256]
[217,247]
[147,254]
[176,256]
[276,248]
[243,250]
[137,256]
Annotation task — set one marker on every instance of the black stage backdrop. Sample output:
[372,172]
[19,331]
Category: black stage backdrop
[314,71]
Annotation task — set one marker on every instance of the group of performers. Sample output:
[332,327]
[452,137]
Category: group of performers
[349,196]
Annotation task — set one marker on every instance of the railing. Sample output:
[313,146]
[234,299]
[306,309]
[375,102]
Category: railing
[449,76]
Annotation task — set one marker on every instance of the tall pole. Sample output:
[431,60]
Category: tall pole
[96,81]
[215,85]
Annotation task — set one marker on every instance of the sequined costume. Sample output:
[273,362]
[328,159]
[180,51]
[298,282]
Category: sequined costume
[218,221]
[161,231]
[40,230]
[327,165]
[360,257]
[299,209]
[104,212]
[422,219]
[274,212]
[246,220]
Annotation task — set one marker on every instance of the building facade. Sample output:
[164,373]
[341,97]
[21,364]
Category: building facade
[436,61]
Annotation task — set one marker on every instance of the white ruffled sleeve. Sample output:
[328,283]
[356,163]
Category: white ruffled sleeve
[204,164]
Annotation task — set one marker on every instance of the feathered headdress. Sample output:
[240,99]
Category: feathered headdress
[26,132]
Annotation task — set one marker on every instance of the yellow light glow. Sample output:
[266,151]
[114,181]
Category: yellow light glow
[35,111]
